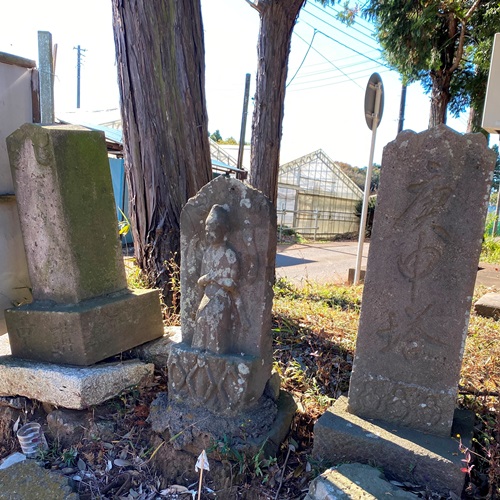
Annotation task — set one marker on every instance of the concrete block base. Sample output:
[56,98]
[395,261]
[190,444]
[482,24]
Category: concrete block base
[403,453]
[352,274]
[70,386]
[87,332]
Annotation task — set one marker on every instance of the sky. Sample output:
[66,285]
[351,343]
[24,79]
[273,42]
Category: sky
[324,105]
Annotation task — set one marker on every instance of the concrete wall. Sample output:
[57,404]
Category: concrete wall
[15,109]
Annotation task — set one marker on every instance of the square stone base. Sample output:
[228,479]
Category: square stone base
[403,453]
[87,332]
[72,387]
[224,384]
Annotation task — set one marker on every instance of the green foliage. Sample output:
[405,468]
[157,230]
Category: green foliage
[496,173]
[355,174]
[216,136]
[124,225]
[289,235]
[343,297]
[256,465]
[69,457]
[490,251]
[422,40]
[372,203]
[230,140]
[358,175]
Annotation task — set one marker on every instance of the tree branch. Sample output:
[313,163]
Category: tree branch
[258,5]
[460,49]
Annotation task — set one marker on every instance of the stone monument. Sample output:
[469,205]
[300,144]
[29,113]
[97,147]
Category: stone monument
[223,364]
[82,311]
[418,290]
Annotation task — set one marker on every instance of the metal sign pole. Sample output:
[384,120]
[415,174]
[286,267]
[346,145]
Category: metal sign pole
[366,195]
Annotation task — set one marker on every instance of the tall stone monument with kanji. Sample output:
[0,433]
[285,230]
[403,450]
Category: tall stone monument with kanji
[421,271]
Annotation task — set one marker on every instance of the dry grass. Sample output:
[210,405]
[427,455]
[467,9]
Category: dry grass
[315,331]
[314,346]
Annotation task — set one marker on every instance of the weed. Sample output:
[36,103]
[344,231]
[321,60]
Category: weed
[171,312]
[135,277]
[69,457]
[490,251]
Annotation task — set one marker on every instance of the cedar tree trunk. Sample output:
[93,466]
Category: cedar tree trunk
[277,19]
[440,97]
[161,72]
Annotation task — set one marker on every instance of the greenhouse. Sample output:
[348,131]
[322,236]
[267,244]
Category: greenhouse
[316,198]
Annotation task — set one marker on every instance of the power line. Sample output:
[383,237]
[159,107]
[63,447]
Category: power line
[322,72]
[364,70]
[326,59]
[337,83]
[347,47]
[349,57]
[303,60]
[338,29]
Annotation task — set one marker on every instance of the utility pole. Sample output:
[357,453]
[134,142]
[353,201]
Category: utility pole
[402,106]
[244,121]
[79,55]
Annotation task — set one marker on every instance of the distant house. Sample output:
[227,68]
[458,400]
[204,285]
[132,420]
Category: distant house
[316,198]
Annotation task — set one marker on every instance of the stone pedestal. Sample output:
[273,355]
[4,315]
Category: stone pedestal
[72,387]
[222,384]
[87,332]
[405,454]
[82,312]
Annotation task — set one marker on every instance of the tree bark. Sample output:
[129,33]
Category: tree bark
[440,97]
[277,19]
[160,56]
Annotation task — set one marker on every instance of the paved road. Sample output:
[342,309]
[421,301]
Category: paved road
[320,262]
[330,262]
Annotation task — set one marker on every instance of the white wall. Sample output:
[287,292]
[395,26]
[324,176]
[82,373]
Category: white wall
[15,109]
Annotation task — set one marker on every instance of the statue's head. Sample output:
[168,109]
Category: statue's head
[216,224]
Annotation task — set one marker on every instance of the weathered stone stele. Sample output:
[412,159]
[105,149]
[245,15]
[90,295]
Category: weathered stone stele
[420,278]
[228,239]
[82,311]
[65,200]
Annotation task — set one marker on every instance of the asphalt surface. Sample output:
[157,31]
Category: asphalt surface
[320,262]
[330,263]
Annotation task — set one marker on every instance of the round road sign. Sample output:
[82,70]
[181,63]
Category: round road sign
[374,83]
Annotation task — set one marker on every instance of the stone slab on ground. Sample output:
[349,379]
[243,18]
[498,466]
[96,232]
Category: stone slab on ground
[87,332]
[406,454]
[27,480]
[157,351]
[70,386]
[488,305]
[359,481]
[4,345]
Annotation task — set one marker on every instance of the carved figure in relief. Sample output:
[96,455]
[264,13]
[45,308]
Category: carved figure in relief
[221,306]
